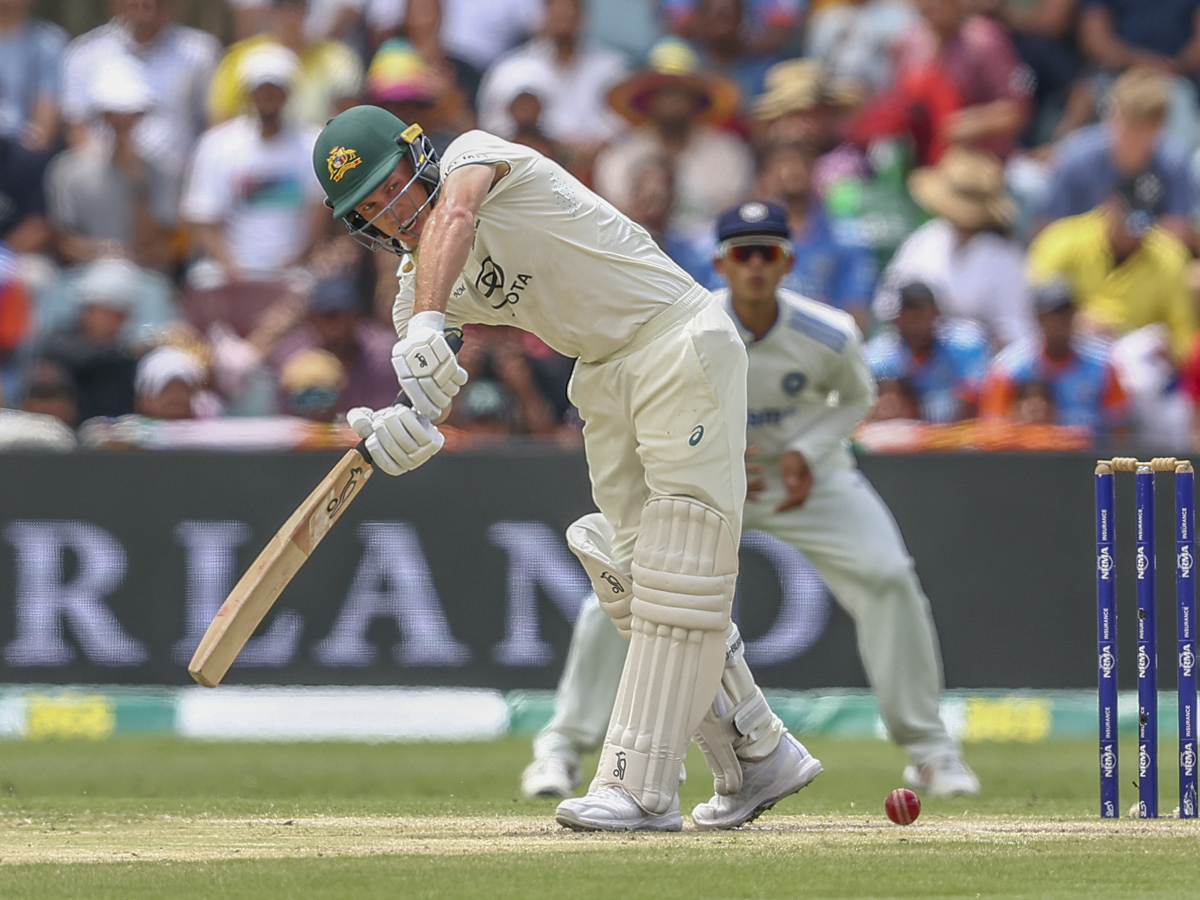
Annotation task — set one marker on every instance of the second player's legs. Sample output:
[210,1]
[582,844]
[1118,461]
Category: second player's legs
[583,701]
[851,538]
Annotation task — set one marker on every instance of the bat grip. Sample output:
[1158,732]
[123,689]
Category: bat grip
[455,339]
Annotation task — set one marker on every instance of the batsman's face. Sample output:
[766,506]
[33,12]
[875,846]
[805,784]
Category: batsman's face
[395,210]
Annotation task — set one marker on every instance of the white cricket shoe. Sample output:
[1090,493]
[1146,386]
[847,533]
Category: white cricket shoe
[948,776]
[551,776]
[612,808]
[787,769]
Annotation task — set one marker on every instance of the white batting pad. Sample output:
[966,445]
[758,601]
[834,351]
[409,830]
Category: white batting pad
[684,575]
[739,725]
[590,539]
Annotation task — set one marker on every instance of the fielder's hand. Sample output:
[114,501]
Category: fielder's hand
[797,480]
[756,475]
[397,438]
[427,368]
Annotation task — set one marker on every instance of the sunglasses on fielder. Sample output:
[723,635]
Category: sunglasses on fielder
[743,253]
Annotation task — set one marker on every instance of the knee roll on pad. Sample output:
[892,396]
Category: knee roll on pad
[684,575]
[684,565]
[590,539]
[740,724]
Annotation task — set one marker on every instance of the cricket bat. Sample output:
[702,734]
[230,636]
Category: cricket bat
[254,595]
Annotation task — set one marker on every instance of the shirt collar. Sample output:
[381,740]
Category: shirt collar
[745,333]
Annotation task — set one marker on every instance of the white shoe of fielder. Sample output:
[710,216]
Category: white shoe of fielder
[550,776]
[612,808]
[948,776]
[787,769]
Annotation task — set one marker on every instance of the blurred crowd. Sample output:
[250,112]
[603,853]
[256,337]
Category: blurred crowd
[1001,192]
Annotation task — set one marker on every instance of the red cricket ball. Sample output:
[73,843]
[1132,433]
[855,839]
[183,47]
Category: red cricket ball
[903,806]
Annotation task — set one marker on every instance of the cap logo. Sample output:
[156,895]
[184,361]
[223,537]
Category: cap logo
[752,212]
[341,160]
[1148,190]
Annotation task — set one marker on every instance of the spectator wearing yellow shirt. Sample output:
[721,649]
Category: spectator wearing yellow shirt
[1125,270]
[328,81]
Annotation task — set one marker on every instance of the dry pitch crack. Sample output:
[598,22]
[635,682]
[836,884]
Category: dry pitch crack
[180,839]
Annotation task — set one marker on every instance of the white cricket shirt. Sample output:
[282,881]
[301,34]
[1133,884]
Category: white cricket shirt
[260,191]
[808,385]
[552,257]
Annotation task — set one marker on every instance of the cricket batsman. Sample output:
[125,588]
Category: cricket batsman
[804,489]
[495,233]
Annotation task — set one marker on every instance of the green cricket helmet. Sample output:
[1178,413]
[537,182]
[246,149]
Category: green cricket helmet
[355,153]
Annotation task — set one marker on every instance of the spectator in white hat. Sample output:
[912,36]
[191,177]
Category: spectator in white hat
[328,76]
[100,361]
[251,196]
[176,61]
[524,96]
[109,197]
[577,79]
[166,383]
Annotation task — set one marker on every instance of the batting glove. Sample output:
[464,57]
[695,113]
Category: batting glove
[397,438]
[426,367]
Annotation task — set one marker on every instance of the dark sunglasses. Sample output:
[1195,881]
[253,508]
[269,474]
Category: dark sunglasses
[770,253]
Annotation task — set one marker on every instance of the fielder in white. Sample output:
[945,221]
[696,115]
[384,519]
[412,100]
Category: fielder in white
[507,236]
[808,388]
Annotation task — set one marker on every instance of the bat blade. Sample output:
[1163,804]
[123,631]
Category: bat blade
[254,595]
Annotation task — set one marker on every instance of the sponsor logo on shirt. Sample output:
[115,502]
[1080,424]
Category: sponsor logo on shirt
[491,280]
[771,415]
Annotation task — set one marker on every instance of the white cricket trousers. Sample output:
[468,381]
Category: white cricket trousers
[666,416]
[848,533]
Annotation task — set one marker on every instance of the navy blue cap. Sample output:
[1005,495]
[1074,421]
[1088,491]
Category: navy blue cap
[752,219]
[335,294]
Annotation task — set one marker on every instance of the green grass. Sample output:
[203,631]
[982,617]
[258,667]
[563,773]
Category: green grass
[146,818]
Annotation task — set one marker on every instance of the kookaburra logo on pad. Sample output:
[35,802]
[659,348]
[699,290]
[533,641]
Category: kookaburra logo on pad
[614,581]
[619,771]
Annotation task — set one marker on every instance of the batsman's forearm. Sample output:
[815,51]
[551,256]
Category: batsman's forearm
[445,246]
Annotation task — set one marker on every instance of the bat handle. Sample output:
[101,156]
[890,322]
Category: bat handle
[455,339]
